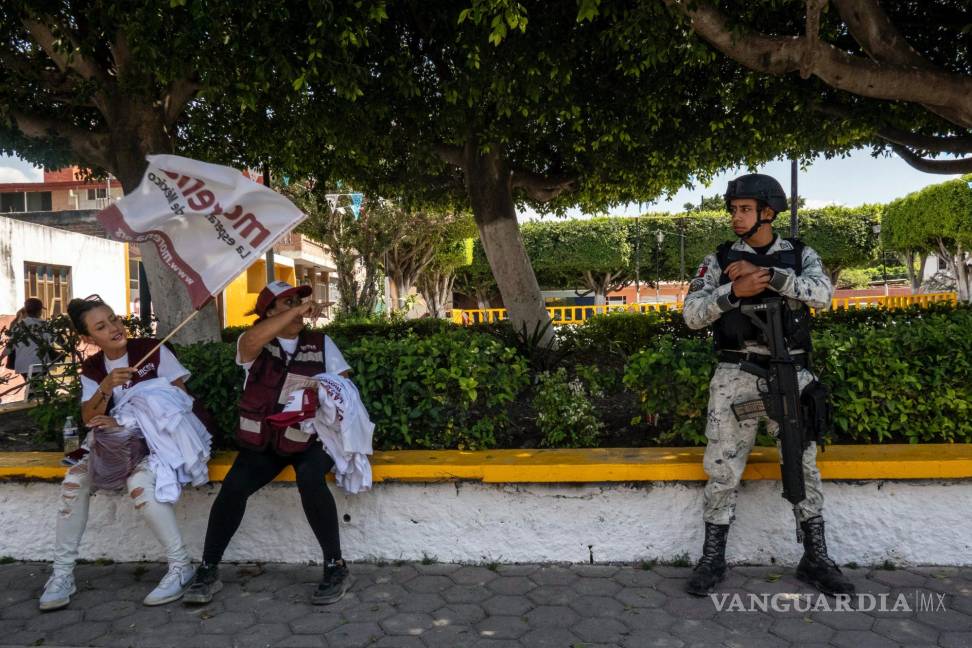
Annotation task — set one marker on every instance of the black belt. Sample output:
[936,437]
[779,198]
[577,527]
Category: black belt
[801,359]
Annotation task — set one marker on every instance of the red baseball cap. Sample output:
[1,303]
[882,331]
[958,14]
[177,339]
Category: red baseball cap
[275,290]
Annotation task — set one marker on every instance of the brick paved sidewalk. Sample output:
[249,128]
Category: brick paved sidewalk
[414,605]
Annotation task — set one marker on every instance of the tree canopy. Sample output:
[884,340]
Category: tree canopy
[499,106]
[103,83]
[936,219]
[900,71]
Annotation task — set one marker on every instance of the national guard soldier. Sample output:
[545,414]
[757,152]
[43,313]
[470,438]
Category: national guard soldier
[757,267]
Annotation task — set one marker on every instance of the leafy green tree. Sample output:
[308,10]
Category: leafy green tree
[593,253]
[358,243]
[895,69]
[843,236]
[454,251]
[475,279]
[103,83]
[502,104]
[937,219]
[426,241]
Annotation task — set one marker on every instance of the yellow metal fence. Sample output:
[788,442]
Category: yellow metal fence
[577,314]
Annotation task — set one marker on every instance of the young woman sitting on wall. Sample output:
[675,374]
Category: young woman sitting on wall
[147,407]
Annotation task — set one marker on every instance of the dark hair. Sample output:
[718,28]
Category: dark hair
[77,308]
[33,307]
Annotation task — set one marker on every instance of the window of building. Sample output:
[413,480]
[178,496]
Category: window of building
[39,201]
[617,299]
[12,201]
[49,283]
[94,194]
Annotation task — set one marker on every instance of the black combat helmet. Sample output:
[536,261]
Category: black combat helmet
[759,187]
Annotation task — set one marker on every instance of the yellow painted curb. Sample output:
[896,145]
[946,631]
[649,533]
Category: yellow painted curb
[587,465]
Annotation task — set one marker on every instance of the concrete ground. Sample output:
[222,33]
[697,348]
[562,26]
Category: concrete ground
[497,606]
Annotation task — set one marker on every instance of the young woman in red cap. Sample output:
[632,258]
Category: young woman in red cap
[279,356]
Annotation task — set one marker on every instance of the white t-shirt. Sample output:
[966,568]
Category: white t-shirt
[169,367]
[334,362]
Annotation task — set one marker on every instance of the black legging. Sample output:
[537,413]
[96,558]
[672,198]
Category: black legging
[253,470]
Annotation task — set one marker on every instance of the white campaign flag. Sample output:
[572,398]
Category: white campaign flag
[208,222]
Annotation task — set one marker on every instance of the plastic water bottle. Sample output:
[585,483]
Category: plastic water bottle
[71,440]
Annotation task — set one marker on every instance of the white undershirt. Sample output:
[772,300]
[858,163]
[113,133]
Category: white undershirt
[169,367]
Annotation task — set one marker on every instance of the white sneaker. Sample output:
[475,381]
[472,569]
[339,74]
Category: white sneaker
[57,591]
[172,586]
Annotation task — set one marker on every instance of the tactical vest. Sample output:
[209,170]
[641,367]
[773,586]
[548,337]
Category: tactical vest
[94,368]
[734,329]
[273,376]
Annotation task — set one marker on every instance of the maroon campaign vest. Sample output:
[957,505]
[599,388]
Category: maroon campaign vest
[94,368]
[273,376]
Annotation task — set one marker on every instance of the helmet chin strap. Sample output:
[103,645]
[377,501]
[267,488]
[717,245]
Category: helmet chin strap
[760,206]
[755,228]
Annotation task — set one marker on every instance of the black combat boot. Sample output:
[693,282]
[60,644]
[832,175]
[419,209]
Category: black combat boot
[711,568]
[816,567]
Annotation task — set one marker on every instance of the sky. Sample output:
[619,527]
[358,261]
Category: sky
[849,181]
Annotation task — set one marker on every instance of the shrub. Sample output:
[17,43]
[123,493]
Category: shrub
[217,381]
[565,414]
[895,376]
[907,381]
[671,379]
[448,390]
[854,278]
[628,332]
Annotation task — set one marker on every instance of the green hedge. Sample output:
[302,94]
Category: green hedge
[896,376]
[619,380]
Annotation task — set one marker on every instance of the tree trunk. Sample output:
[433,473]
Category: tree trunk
[920,278]
[436,289]
[833,274]
[962,275]
[403,286]
[482,298]
[488,182]
[142,135]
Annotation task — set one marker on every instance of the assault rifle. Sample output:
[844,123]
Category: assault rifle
[781,399]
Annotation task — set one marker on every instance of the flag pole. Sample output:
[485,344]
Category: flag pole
[165,339]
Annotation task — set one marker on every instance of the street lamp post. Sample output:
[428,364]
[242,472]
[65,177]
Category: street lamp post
[884,271]
[659,238]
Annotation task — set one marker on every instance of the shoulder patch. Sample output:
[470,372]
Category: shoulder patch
[697,284]
[702,270]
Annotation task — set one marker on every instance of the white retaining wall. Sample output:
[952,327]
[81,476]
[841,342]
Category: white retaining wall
[907,522]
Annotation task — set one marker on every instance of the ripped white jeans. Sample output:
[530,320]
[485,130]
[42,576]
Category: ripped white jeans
[72,515]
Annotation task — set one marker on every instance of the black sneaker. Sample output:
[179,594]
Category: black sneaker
[335,583]
[205,583]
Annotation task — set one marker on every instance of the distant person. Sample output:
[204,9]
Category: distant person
[29,326]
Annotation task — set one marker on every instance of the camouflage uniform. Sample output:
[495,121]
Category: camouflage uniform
[730,440]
